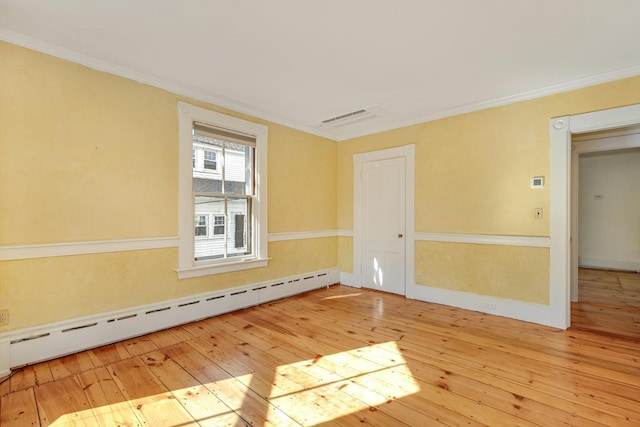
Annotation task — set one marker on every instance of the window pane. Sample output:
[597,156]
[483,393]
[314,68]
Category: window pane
[206,171]
[213,246]
[239,229]
[201,225]
[210,160]
[238,172]
[218,225]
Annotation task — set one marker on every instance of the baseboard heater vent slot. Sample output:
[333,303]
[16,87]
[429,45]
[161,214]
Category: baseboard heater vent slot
[277,284]
[309,277]
[216,297]
[75,328]
[158,310]
[131,316]
[189,303]
[258,288]
[35,337]
[238,293]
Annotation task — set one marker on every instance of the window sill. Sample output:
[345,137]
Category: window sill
[227,267]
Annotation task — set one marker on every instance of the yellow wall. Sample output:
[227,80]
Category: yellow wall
[86,155]
[473,176]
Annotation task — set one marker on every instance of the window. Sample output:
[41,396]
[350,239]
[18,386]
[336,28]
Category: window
[201,226]
[210,160]
[223,187]
[218,225]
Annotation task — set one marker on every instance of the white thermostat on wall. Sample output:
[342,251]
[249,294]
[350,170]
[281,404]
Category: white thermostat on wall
[537,182]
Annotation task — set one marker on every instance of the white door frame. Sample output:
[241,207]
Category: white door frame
[408,153]
[607,142]
[561,129]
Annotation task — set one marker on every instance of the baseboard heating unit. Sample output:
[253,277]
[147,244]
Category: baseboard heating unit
[26,346]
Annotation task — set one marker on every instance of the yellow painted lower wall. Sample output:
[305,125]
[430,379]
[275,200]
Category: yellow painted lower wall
[511,272]
[45,290]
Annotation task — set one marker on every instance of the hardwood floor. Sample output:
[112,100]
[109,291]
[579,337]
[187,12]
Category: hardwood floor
[609,303]
[343,357]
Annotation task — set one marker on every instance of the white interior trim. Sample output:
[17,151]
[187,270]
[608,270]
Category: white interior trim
[187,266]
[407,152]
[485,239]
[47,250]
[526,311]
[14,252]
[127,73]
[609,264]
[300,235]
[348,279]
[101,65]
[31,345]
[561,262]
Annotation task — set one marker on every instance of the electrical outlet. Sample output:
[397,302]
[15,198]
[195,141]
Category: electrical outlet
[4,317]
[537,213]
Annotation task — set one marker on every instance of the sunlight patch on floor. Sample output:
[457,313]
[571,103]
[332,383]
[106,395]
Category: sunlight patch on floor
[343,296]
[309,392]
[330,387]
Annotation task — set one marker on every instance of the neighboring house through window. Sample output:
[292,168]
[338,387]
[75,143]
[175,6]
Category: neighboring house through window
[224,188]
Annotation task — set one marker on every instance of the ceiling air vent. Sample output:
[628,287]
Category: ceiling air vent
[350,118]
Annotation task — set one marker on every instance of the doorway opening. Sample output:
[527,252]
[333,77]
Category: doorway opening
[605,230]
[563,257]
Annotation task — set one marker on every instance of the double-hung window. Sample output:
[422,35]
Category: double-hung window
[222,193]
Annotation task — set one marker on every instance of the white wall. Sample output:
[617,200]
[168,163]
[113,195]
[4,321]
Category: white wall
[609,209]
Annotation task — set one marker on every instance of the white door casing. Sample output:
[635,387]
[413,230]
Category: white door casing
[560,266]
[384,220]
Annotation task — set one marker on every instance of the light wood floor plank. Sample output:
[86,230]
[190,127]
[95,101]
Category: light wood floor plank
[341,357]
[63,403]
[18,409]
[154,403]
[109,406]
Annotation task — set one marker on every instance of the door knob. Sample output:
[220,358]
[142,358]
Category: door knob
[400,236]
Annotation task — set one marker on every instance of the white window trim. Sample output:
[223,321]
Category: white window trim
[187,266]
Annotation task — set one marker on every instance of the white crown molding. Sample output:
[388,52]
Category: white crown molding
[101,65]
[47,250]
[592,80]
[178,89]
[485,239]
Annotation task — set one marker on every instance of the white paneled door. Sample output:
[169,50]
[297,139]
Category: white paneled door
[383,224]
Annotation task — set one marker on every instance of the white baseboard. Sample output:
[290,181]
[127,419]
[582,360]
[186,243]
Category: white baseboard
[348,279]
[528,312]
[609,264]
[26,346]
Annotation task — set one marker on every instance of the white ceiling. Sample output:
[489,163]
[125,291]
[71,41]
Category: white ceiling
[300,62]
